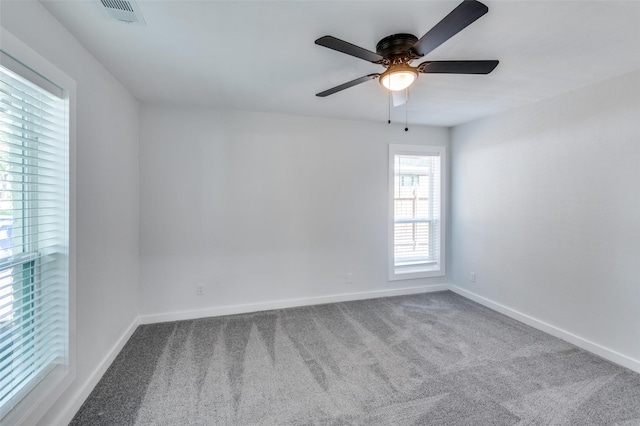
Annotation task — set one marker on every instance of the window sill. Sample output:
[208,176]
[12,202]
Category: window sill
[416,271]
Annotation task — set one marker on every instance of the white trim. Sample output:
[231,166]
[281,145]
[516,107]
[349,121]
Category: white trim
[67,413]
[70,410]
[286,303]
[44,396]
[81,395]
[606,353]
[439,270]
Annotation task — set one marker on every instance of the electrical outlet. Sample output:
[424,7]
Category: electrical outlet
[349,278]
[472,277]
[200,289]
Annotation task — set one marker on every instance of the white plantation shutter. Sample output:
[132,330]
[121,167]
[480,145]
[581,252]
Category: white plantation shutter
[416,210]
[33,235]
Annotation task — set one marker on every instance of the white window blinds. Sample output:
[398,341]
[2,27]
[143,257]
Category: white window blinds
[33,236]
[416,211]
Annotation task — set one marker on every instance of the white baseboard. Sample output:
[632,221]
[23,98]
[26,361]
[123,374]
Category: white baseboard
[81,395]
[66,415]
[286,303]
[580,342]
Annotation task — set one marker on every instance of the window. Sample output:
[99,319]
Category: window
[34,234]
[416,211]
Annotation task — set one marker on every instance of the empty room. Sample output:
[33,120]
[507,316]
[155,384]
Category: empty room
[319,212]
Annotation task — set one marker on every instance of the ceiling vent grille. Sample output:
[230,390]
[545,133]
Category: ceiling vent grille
[122,10]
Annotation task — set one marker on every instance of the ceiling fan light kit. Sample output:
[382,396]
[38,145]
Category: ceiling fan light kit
[398,77]
[397,51]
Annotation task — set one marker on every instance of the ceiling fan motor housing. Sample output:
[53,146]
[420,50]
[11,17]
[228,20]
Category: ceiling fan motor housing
[396,48]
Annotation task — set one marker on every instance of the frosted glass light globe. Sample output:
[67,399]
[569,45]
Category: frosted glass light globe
[398,77]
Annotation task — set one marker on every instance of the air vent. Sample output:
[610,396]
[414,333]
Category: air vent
[122,10]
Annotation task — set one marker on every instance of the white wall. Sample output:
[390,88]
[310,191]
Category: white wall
[546,210]
[107,192]
[262,208]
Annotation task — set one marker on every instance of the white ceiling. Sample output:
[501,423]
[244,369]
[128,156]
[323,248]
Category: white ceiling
[261,56]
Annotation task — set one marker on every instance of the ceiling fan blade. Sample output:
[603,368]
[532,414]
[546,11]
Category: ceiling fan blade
[459,18]
[348,48]
[347,85]
[457,67]
[400,97]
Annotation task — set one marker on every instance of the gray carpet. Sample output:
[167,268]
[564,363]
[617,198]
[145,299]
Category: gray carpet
[430,359]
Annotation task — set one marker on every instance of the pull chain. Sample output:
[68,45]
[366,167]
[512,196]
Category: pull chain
[406,110]
[389,108]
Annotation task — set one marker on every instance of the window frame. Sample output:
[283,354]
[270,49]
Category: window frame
[41,398]
[437,269]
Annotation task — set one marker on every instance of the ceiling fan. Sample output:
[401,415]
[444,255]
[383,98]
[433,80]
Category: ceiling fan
[397,51]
